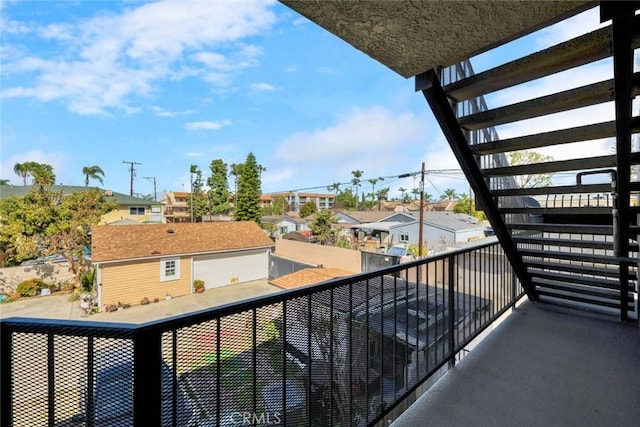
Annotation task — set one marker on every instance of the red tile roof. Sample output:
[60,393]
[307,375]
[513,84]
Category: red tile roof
[110,243]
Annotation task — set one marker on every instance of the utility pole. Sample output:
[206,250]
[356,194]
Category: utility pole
[421,225]
[132,171]
[152,179]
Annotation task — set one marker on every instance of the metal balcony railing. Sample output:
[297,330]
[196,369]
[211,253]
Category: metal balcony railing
[344,352]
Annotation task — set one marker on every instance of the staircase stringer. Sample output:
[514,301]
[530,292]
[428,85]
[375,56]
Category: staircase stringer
[432,90]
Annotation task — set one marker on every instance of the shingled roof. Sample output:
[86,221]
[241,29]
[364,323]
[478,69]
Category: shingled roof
[110,243]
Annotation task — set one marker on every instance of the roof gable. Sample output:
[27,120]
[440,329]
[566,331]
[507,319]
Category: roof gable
[157,240]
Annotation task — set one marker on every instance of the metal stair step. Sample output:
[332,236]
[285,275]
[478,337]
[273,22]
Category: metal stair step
[569,256]
[599,162]
[563,228]
[583,96]
[579,51]
[613,271]
[564,189]
[575,243]
[582,298]
[540,276]
[578,210]
[557,137]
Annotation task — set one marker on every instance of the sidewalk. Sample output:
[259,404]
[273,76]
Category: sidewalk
[59,306]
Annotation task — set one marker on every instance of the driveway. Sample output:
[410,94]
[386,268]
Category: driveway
[59,306]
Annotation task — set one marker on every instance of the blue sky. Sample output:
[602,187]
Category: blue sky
[172,83]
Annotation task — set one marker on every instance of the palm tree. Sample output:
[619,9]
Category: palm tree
[334,187]
[23,170]
[450,194]
[416,193]
[92,172]
[373,182]
[235,169]
[356,182]
[402,190]
[42,173]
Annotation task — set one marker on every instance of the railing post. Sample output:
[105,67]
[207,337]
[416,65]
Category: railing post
[452,310]
[147,378]
[6,368]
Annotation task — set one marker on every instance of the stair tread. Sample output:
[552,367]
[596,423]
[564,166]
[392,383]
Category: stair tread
[556,137]
[578,51]
[579,97]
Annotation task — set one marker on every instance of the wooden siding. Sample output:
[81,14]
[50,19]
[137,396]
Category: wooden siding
[129,282]
[123,213]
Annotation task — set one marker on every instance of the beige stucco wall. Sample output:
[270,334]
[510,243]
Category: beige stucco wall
[51,273]
[130,282]
[328,256]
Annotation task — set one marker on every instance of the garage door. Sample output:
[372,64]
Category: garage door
[228,268]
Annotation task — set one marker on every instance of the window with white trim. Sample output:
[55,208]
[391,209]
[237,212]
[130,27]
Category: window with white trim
[404,238]
[169,269]
[136,210]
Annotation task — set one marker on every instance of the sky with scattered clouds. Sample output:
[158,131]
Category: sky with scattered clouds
[172,83]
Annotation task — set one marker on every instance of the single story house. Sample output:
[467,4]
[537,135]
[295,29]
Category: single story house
[283,224]
[440,230]
[153,260]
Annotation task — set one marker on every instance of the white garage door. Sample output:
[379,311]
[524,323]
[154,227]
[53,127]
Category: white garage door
[228,268]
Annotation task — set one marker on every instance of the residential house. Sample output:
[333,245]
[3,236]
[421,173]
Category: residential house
[440,230]
[283,224]
[296,200]
[129,208]
[176,208]
[153,260]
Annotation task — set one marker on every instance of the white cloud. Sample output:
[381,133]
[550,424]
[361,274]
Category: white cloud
[160,112]
[112,60]
[262,87]
[193,154]
[207,125]
[376,140]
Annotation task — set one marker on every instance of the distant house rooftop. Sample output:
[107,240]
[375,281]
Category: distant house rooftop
[121,199]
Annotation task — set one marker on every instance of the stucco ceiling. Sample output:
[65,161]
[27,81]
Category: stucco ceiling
[411,37]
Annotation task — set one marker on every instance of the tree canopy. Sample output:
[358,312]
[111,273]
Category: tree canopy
[43,222]
[92,172]
[307,209]
[218,188]
[526,157]
[247,198]
[322,226]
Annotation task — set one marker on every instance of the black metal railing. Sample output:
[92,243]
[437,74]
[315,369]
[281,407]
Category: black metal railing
[344,352]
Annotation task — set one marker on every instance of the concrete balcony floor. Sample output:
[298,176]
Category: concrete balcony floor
[543,366]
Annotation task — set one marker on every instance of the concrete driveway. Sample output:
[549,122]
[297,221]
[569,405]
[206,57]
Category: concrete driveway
[59,306]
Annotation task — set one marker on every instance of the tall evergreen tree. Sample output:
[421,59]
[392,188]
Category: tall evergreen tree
[218,188]
[249,190]
[198,197]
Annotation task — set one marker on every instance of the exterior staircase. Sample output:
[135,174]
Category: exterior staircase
[574,243]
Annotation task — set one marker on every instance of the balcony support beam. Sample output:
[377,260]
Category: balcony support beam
[432,90]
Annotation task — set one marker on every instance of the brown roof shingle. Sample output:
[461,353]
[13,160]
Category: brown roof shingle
[308,276]
[110,243]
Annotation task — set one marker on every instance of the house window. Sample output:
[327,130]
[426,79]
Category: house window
[136,210]
[169,269]
[155,210]
[404,238]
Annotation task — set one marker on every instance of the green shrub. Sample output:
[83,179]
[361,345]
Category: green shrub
[30,287]
[87,279]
